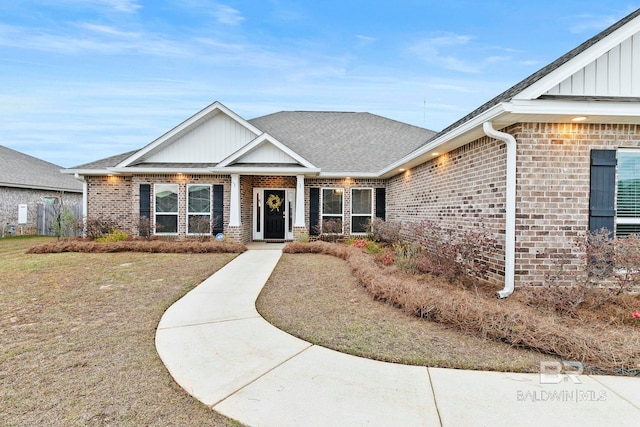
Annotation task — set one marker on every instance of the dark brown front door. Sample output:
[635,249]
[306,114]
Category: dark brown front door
[274,214]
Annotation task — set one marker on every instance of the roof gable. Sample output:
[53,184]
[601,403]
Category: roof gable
[265,150]
[547,78]
[207,138]
[615,73]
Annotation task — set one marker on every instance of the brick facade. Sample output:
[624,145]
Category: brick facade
[553,189]
[462,189]
[466,187]
[346,184]
[11,197]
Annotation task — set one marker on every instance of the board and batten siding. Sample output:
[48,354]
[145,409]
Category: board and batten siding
[267,153]
[210,142]
[615,73]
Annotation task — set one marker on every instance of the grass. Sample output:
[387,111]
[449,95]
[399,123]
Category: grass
[77,337]
[316,298]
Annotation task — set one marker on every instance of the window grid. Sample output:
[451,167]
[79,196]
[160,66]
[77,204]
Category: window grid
[198,209]
[628,192]
[361,209]
[166,208]
[333,207]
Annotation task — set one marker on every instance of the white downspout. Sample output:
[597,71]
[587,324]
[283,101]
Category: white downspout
[510,208]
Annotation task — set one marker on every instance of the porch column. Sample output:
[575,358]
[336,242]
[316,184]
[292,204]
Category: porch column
[234,207]
[299,219]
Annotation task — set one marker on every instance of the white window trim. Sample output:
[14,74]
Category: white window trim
[369,215]
[155,212]
[323,215]
[621,219]
[190,214]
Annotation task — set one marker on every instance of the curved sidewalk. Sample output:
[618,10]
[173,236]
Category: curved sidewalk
[221,351]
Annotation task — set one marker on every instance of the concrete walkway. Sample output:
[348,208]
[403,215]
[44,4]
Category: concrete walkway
[221,351]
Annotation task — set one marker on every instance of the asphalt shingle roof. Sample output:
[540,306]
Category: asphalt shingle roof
[343,141]
[21,170]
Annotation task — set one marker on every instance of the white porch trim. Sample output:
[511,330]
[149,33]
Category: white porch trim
[234,207]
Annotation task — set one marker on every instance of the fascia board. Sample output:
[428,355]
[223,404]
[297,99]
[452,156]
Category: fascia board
[40,187]
[467,126]
[589,55]
[259,140]
[349,175]
[594,108]
[143,170]
[86,172]
[263,171]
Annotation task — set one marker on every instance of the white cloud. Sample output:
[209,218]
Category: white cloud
[437,50]
[228,15]
[586,23]
[124,6]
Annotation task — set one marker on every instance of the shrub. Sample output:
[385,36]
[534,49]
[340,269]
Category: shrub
[114,236]
[381,231]
[610,267]
[406,258]
[152,246]
[453,254]
[97,227]
[329,230]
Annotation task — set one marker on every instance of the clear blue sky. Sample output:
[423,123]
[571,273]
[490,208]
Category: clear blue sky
[87,79]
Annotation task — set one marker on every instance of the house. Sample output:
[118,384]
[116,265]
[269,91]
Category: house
[551,157]
[25,183]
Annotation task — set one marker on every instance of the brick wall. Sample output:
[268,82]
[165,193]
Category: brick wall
[347,184]
[118,197]
[11,197]
[466,187]
[459,190]
[553,190]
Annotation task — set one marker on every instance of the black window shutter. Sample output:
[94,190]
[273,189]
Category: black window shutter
[602,193]
[314,210]
[381,202]
[145,200]
[218,209]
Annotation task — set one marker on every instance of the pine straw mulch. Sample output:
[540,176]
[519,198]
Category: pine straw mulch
[151,246]
[600,337]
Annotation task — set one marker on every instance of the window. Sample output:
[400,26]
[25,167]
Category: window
[198,209]
[361,212]
[628,198]
[332,210]
[166,208]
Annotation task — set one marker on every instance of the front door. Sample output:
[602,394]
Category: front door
[274,214]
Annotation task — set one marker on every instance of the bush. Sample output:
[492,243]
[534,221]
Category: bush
[96,227]
[607,266]
[153,246]
[114,236]
[329,230]
[381,231]
[452,254]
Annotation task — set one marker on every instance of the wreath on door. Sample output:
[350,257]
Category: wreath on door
[274,202]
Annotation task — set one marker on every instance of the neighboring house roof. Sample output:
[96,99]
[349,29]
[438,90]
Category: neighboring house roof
[23,171]
[343,142]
